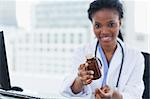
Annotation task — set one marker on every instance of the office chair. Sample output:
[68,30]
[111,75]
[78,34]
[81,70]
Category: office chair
[146,76]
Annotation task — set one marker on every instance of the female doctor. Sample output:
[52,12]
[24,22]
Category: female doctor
[122,67]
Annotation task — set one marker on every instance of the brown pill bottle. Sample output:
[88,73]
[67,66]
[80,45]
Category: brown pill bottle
[94,66]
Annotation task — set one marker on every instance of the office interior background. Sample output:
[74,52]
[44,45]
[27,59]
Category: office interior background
[41,35]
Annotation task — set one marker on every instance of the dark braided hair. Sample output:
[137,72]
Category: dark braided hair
[110,4]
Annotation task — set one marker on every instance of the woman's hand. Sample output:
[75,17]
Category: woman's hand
[103,93]
[84,78]
[107,93]
[85,75]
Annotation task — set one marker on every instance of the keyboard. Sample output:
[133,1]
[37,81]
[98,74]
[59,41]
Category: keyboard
[18,95]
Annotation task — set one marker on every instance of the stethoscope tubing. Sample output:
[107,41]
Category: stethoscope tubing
[117,84]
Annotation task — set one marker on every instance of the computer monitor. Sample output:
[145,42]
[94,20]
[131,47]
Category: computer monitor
[4,72]
[4,75]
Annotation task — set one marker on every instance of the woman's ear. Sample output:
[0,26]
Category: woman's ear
[120,22]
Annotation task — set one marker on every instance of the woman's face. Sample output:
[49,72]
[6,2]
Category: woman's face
[106,25]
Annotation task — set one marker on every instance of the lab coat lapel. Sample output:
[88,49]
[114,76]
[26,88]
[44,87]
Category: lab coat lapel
[126,72]
[114,67]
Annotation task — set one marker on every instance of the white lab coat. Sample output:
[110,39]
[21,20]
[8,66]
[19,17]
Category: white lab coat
[131,85]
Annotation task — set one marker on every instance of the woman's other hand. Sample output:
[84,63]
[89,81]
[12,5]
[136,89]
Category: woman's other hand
[107,93]
[103,93]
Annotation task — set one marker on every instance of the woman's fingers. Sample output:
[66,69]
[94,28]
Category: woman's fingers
[82,72]
[87,79]
[85,75]
[105,92]
[105,89]
[81,67]
[106,95]
[101,93]
[97,94]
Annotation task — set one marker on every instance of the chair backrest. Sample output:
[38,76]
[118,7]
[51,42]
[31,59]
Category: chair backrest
[146,76]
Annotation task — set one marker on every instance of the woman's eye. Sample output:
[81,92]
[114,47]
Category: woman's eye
[97,26]
[111,25]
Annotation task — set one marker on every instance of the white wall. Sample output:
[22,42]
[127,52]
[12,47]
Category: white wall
[136,24]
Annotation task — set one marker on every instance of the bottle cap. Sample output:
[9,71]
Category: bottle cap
[89,56]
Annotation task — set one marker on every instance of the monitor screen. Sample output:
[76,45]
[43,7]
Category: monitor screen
[4,72]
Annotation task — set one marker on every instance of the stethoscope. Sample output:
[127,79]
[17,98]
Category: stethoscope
[121,60]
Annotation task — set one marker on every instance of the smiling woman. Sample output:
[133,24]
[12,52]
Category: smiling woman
[121,78]
[48,31]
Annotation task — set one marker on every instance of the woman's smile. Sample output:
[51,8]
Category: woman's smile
[105,38]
